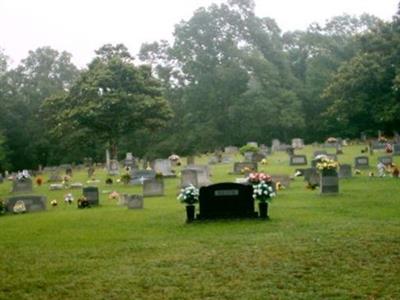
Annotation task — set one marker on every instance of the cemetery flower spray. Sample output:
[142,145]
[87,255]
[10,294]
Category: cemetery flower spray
[263,192]
[189,195]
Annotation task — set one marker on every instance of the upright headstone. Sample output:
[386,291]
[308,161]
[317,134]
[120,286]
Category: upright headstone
[91,193]
[114,167]
[140,176]
[153,187]
[195,176]
[396,149]
[22,185]
[345,171]
[329,184]
[134,201]
[163,166]
[130,161]
[281,178]
[226,200]
[55,175]
[298,160]
[1,178]
[108,159]
[32,202]
[297,143]
[386,160]
[275,145]
[361,162]
[258,157]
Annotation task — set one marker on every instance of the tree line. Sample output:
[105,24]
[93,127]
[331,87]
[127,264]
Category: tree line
[228,77]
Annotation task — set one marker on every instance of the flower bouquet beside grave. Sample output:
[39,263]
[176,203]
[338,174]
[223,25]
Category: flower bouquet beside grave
[190,196]
[327,166]
[258,177]
[263,192]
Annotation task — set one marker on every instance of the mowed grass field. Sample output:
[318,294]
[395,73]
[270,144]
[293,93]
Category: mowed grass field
[313,247]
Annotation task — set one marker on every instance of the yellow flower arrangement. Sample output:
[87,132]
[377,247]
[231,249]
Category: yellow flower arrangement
[327,164]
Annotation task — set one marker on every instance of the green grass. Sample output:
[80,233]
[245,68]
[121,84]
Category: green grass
[314,247]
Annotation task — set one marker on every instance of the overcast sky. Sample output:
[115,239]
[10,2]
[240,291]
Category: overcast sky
[81,26]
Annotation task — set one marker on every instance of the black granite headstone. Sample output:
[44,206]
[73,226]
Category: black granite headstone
[226,200]
[91,194]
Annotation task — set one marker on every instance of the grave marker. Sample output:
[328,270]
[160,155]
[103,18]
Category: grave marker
[91,193]
[163,166]
[134,201]
[298,160]
[345,171]
[297,143]
[361,162]
[139,176]
[32,202]
[386,160]
[22,185]
[226,200]
[153,188]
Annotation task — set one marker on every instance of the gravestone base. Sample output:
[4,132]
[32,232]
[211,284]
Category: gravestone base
[32,202]
[329,184]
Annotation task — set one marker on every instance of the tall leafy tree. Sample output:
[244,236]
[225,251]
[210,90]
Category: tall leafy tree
[110,99]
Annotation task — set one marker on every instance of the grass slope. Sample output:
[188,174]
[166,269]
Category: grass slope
[314,247]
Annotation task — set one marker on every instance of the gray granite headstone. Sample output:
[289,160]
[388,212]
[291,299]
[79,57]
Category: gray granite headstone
[197,176]
[23,185]
[164,167]
[361,162]
[91,193]
[56,187]
[139,176]
[153,187]
[113,168]
[376,145]
[396,149]
[298,160]
[55,175]
[275,145]
[386,160]
[258,157]
[311,176]
[297,143]
[32,202]
[134,201]
[345,171]
[329,184]
[1,178]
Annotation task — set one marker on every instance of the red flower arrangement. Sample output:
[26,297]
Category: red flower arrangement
[256,178]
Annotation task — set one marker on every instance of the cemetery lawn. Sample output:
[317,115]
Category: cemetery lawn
[314,247]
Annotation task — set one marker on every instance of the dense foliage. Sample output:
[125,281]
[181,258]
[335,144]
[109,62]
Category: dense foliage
[228,77]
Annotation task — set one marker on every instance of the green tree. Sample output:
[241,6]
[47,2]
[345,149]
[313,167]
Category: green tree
[109,100]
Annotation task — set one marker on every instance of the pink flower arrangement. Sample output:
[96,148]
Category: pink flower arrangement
[256,178]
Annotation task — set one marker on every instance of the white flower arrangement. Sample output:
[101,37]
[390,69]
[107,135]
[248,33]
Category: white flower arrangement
[263,192]
[19,207]
[189,195]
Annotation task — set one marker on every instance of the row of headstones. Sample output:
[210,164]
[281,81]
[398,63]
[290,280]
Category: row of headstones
[359,161]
